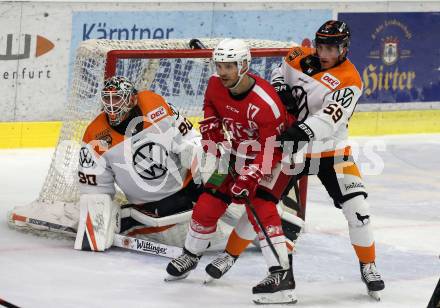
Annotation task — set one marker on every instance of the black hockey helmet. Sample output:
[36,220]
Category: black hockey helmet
[333,32]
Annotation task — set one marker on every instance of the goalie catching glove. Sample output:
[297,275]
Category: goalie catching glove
[99,220]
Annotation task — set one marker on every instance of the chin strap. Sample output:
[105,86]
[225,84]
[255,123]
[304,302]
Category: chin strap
[241,76]
[238,82]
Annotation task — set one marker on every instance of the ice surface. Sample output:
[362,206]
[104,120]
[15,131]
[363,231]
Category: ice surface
[405,206]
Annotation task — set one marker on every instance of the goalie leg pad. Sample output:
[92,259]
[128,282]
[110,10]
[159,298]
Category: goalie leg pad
[99,220]
[58,216]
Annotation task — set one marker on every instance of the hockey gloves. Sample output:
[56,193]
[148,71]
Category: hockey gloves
[285,93]
[296,136]
[246,184]
[211,129]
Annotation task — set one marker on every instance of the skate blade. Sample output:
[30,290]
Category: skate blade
[374,294]
[208,279]
[174,278]
[282,297]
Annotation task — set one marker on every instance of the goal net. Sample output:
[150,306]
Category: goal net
[167,67]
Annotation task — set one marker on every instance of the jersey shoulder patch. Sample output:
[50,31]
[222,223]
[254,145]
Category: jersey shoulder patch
[100,135]
[294,53]
[330,80]
[342,76]
[153,106]
[298,52]
[302,59]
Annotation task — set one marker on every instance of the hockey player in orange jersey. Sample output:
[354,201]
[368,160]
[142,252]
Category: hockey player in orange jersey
[321,87]
[143,146]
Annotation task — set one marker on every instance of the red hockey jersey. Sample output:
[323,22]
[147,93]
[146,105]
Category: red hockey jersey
[253,116]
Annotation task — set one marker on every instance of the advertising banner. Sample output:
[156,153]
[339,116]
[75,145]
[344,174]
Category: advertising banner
[33,61]
[38,43]
[291,26]
[397,55]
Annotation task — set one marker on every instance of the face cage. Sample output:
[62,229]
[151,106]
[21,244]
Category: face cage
[117,112]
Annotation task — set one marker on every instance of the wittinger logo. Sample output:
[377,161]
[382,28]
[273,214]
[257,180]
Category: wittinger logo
[149,247]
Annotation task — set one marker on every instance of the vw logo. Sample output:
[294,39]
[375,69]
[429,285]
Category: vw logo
[149,161]
[85,158]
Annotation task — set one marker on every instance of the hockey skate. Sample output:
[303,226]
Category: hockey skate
[277,288]
[180,267]
[371,277]
[220,266]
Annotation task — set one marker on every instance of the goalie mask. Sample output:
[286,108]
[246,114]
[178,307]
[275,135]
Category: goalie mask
[116,98]
[233,50]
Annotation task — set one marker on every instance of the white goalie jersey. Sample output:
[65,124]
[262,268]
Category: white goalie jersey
[326,99]
[149,159]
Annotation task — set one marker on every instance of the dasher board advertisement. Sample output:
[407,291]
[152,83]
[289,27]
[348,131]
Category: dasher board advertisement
[397,55]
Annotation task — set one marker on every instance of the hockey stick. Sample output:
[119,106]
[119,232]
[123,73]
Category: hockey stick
[196,44]
[435,299]
[260,225]
[257,219]
[121,241]
[289,202]
[7,304]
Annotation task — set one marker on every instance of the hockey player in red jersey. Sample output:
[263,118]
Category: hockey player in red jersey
[250,111]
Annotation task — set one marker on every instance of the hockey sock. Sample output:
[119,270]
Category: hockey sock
[290,246]
[236,245]
[365,254]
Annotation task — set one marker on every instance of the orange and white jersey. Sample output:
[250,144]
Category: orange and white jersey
[326,98]
[146,155]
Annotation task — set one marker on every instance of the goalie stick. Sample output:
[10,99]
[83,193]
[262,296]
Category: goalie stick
[146,246]
[7,304]
[121,241]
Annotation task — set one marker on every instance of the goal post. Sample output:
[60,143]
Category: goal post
[114,55]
